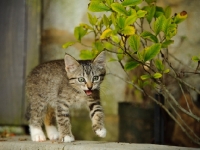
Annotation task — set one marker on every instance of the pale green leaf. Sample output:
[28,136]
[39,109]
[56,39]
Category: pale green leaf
[157,75]
[131,2]
[117,7]
[130,20]
[141,13]
[134,42]
[166,71]
[92,19]
[79,32]
[86,54]
[106,21]
[152,51]
[95,6]
[159,65]
[158,24]
[120,54]
[66,45]
[146,76]
[115,38]
[195,58]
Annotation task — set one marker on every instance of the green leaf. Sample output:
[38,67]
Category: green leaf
[98,45]
[92,19]
[115,38]
[148,35]
[150,12]
[131,65]
[141,13]
[66,45]
[166,71]
[120,22]
[195,58]
[159,65]
[95,6]
[120,54]
[166,26]
[86,54]
[146,76]
[134,42]
[117,7]
[131,2]
[106,21]
[79,32]
[168,12]
[152,51]
[131,19]
[157,75]
[128,30]
[159,12]
[167,43]
[158,24]
[109,2]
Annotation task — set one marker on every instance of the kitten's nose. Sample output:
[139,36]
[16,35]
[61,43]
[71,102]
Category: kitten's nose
[89,86]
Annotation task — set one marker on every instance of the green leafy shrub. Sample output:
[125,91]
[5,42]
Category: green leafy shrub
[139,32]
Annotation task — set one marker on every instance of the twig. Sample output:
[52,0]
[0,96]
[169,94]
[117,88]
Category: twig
[182,119]
[177,104]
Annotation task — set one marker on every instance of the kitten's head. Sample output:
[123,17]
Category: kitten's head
[86,75]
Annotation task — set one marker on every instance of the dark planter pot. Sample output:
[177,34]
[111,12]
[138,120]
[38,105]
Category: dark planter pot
[136,124]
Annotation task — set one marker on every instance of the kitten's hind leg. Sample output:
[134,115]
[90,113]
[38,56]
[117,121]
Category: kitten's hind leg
[35,122]
[50,124]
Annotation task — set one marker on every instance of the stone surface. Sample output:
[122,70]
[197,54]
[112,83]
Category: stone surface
[24,143]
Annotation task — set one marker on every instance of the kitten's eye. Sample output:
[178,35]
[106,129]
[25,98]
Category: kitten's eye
[81,79]
[95,78]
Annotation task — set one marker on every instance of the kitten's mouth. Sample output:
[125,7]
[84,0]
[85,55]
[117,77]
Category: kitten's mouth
[88,92]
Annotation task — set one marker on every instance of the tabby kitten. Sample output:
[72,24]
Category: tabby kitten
[53,87]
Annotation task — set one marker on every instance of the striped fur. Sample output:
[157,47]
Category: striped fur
[53,87]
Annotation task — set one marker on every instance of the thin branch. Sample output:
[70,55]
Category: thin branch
[178,106]
[185,97]
[182,120]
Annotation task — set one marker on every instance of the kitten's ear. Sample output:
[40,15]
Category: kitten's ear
[100,59]
[71,63]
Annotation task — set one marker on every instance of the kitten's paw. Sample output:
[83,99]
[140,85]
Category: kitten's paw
[52,132]
[101,132]
[38,138]
[67,138]
[37,134]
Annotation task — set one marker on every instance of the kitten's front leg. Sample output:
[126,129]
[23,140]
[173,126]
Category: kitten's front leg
[97,117]
[63,121]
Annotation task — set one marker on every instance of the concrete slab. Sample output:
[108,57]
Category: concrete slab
[24,143]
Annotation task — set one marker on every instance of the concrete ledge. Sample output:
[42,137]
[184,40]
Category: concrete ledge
[24,143]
